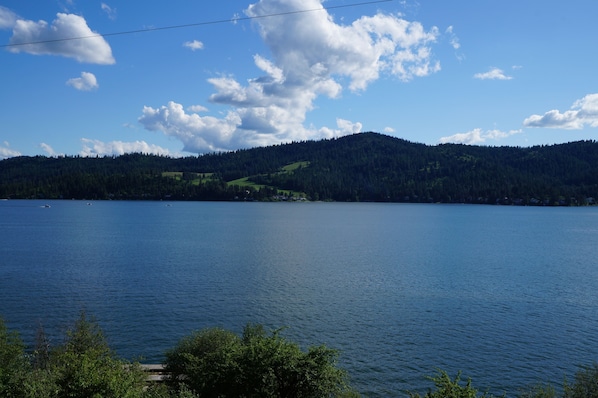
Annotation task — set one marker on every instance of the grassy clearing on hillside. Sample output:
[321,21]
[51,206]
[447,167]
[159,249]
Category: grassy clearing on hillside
[179,174]
[244,182]
[194,178]
[295,166]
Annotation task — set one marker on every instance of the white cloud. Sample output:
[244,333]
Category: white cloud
[311,56]
[493,74]
[360,51]
[478,136]
[345,127]
[130,126]
[7,18]
[111,12]
[348,127]
[49,39]
[100,148]
[7,152]
[86,82]
[389,130]
[197,133]
[49,150]
[453,39]
[197,108]
[455,43]
[193,45]
[583,112]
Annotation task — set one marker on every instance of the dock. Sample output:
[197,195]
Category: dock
[155,372]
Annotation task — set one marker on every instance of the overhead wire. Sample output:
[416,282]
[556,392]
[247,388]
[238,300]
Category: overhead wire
[213,22]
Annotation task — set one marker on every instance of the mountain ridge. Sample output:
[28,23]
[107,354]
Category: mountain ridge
[361,167]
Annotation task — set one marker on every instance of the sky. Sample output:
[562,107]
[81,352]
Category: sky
[182,78]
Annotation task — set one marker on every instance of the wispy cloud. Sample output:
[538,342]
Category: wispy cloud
[49,150]
[312,56]
[478,136]
[453,39]
[100,148]
[111,12]
[7,18]
[197,108]
[7,152]
[193,45]
[584,112]
[493,74]
[94,49]
[455,43]
[86,82]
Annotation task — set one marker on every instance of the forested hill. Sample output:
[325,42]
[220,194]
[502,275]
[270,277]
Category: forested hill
[361,167]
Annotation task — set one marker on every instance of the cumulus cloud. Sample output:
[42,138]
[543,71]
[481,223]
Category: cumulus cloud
[345,127]
[584,112]
[86,82]
[311,56]
[48,39]
[493,74]
[197,133]
[193,45]
[360,51]
[389,130]
[7,152]
[100,148]
[478,136]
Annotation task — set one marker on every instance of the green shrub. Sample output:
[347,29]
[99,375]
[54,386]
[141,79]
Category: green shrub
[85,366]
[209,363]
[13,363]
[585,383]
[449,388]
[216,362]
[539,391]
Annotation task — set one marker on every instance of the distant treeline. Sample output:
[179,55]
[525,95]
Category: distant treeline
[360,167]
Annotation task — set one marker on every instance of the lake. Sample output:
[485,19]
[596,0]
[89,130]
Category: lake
[508,295]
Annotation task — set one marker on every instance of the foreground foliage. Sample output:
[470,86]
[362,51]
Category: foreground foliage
[84,366]
[585,385]
[449,388]
[210,363]
[218,363]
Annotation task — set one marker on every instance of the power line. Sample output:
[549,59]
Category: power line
[128,32]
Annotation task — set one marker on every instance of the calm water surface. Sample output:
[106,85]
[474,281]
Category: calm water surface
[508,295]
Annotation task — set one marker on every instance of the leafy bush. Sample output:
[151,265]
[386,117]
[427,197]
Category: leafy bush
[86,366]
[585,383]
[215,362]
[210,363]
[539,391]
[449,388]
[13,364]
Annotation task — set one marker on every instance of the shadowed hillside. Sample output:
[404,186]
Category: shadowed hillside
[361,167]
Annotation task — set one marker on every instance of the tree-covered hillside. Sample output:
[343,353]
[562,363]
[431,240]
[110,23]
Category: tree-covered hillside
[361,167]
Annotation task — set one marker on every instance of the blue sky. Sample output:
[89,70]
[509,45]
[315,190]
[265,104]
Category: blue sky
[481,72]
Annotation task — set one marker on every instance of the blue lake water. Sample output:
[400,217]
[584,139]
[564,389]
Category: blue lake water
[508,295]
